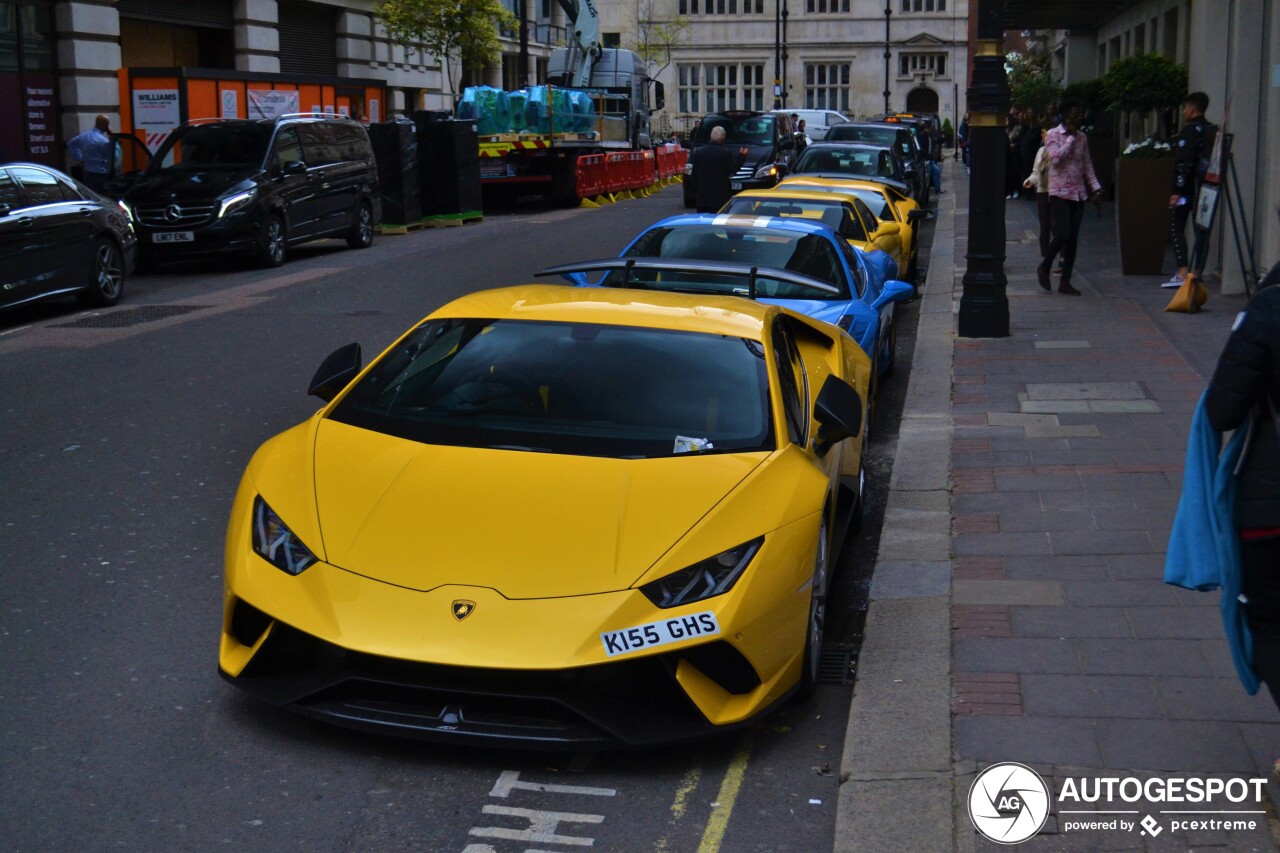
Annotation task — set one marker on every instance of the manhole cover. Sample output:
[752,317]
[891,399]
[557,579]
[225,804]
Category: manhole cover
[131,317]
[838,663]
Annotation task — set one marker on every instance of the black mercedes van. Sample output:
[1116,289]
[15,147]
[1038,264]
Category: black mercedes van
[255,187]
[768,138]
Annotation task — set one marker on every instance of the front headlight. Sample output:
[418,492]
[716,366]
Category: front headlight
[232,203]
[276,543]
[766,172]
[705,579]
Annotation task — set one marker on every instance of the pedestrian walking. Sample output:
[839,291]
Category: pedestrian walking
[1190,157]
[1029,143]
[1245,392]
[1038,182]
[1072,182]
[712,167]
[92,151]
[962,135]
[1013,167]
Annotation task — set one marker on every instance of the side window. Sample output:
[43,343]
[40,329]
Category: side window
[851,258]
[792,383]
[854,228]
[320,142]
[864,213]
[38,186]
[814,256]
[287,147]
[355,144]
[9,193]
[69,192]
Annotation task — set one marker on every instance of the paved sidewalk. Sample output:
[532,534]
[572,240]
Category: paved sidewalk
[1017,608]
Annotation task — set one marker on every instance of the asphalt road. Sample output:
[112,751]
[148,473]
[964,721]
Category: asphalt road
[124,436]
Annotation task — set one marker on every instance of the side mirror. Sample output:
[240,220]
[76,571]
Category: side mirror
[916,214]
[335,372]
[888,229]
[893,291]
[294,167]
[782,170]
[838,411]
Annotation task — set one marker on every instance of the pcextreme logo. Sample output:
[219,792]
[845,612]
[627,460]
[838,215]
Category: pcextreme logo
[1009,803]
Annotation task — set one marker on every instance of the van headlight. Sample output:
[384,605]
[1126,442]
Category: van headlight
[233,203]
[766,172]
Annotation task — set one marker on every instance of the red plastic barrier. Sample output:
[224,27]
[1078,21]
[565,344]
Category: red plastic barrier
[590,175]
[615,172]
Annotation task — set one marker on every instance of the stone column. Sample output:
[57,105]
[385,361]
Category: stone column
[257,41]
[88,59]
[355,44]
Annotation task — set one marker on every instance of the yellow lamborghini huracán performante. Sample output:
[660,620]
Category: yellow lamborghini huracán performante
[553,515]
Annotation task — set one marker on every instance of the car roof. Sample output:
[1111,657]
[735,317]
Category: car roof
[742,220]
[796,191]
[656,309]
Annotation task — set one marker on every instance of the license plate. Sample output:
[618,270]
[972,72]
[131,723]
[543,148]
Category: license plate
[735,186]
[661,633]
[173,237]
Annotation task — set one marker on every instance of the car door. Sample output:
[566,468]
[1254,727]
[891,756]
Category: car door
[60,232]
[885,236]
[291,184]
[323,148]
[16,261]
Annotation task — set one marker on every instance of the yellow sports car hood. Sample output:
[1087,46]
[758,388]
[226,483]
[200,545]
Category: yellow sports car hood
[529,525]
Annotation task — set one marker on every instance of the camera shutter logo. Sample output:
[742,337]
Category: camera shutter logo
[1008,803]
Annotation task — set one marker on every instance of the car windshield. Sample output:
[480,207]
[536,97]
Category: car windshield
[878,135]
[808,254]
[570,388]
[833,213]
[871,162]
[748,130]
[213,146]
[873,199]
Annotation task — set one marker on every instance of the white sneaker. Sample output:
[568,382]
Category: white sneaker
[1176,281]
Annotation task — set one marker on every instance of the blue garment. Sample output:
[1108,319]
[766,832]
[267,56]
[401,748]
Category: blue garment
[1204,545]
[92,149]
[935,175]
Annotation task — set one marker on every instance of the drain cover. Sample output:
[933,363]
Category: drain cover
[131,317]
[838,663]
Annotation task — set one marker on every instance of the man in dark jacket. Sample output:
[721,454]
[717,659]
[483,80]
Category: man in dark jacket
[1244,392]
[712,166]
[1193,145]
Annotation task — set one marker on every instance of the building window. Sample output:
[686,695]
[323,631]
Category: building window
[722,7]
[924,5]
[826,86]
[715,88]
[911,64]
[611,39]
[821,6]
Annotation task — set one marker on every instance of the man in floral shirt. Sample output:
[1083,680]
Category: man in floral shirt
[1072,182]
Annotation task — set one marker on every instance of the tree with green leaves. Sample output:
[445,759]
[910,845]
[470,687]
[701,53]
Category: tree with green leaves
[465,28]
[1145,82]
[655,40]
[1031,85]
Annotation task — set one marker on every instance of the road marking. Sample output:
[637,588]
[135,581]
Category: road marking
[687,786]
[729,788]
[542,826]
[510,781]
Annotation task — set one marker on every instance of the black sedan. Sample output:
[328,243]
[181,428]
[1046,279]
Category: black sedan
[858,160]
[58,237]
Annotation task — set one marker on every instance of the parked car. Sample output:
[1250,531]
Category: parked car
[769,140]
[817,123]
[58,237]
[553,516]
[859,160]
[255,187]
[901,139]
[843,288]
[887,203]
[845,213]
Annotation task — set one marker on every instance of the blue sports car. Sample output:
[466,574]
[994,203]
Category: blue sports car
[860,298]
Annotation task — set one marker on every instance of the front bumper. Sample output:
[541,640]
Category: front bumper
[234,235]
[630,703]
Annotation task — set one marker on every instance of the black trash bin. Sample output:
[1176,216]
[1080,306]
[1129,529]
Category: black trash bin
[449,165]
[395,148]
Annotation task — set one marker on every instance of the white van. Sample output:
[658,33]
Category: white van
[816,122]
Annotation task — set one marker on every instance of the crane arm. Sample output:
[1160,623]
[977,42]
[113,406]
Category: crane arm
[586,39]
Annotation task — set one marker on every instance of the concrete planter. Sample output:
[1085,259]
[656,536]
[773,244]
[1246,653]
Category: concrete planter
[1142,212]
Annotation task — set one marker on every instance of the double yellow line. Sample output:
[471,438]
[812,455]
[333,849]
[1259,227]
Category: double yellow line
[730,786]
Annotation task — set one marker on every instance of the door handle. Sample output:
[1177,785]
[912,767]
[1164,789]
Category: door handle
[26,221]
[86,211]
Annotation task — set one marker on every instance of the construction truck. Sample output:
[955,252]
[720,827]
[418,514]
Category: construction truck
[598,102]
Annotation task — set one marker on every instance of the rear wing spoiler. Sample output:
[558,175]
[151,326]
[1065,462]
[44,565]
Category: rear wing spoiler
[749,272]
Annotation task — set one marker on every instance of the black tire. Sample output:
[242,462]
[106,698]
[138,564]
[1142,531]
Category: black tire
[106,274]
[272,243]
[815,628]
[361,234]
[893,347]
